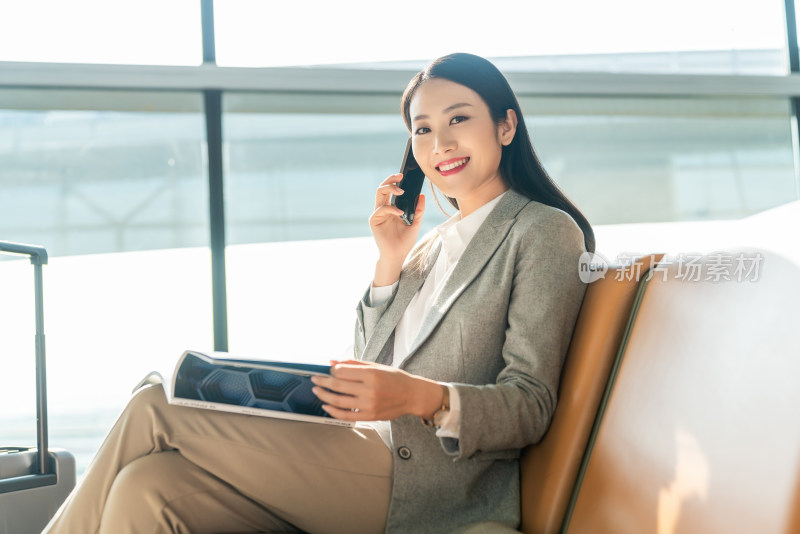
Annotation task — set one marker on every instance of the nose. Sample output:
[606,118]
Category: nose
[444,142]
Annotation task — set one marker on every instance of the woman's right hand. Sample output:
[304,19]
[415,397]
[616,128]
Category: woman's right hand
[394,238]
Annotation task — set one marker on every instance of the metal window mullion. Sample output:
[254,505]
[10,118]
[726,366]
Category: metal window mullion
[322,80]
[216,203]
[794,101]
[212,100]
[207,23]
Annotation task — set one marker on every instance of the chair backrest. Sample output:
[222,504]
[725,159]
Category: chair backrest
[549,469]
[701,433]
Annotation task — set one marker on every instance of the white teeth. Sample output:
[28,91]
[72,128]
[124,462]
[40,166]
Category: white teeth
[451,166]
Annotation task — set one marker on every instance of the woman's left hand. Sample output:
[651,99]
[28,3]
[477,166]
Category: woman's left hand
[365,391]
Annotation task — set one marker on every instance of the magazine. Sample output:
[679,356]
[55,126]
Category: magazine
[268,388]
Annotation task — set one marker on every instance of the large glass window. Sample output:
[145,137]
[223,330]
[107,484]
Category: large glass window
[307,167]
[637,160]
[711,36]
[145,32]
[114,178]
[301,174]
[114,185]
[296,175]
[300,184]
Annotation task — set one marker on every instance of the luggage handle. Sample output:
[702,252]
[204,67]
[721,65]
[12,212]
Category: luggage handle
[38,256]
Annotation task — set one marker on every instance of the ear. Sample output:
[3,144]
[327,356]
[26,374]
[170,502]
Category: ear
[508,128]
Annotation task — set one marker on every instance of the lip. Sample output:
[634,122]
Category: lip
[449,161]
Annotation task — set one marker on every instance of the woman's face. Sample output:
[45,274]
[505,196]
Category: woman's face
[457,144]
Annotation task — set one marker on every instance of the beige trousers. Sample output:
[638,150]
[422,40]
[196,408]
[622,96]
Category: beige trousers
[166,468]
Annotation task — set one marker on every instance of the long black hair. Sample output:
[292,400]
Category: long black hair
[519,166]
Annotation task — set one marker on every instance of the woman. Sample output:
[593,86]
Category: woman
[459,345]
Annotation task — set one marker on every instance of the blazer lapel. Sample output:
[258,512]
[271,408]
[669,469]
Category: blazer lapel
[478,252]
[410,283]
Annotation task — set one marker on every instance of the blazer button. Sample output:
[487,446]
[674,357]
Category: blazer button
[404,453]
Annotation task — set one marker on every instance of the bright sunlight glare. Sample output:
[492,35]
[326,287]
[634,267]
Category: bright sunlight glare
[259,33]
[255,33]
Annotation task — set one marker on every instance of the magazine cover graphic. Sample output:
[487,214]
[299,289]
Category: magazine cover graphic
[247,387]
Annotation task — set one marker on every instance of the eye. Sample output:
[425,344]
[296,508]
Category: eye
[457,119]
[422,130]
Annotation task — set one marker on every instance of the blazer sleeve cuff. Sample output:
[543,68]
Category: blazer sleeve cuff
[376,296]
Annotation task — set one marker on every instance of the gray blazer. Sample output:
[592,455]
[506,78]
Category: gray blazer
[499,332]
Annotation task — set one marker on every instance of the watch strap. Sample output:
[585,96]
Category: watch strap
[443,408]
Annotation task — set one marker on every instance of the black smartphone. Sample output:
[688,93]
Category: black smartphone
[411,184]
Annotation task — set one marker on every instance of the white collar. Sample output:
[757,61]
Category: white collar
[456,232]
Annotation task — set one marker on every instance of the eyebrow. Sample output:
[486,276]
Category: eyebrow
[445,110]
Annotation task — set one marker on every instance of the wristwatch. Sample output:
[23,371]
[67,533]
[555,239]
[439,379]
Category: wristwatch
[443,410]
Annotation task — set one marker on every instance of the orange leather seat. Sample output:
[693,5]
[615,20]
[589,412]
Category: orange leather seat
[550,468]
[702,430]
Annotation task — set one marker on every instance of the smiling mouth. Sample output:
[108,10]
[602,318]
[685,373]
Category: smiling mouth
[452,165]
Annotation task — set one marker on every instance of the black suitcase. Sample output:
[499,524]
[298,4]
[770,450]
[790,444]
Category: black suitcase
[33,485]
